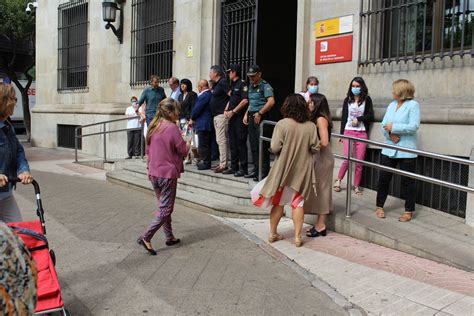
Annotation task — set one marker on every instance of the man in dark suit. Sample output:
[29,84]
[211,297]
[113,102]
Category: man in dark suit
[201,119]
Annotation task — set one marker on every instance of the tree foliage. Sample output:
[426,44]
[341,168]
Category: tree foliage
[17,32]
[15,23]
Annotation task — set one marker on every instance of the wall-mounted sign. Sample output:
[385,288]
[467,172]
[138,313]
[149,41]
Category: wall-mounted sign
[334,49]
[334,26]
[190,51]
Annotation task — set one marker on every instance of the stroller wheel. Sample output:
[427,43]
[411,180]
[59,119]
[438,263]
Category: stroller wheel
[53,256]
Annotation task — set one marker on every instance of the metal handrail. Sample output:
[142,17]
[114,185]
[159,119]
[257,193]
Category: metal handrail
[351,160]
[104,132]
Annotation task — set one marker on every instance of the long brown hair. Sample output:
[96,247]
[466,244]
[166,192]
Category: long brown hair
[321,108]
[164,110]
[7,99]
[294,107]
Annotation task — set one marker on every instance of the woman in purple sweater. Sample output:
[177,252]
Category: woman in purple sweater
[165,149]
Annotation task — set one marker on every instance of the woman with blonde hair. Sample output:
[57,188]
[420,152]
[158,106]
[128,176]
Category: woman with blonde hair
[13,163]
[165,150]
[399,125]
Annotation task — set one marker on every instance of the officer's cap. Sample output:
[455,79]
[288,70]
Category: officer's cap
[253,70]
[235,67]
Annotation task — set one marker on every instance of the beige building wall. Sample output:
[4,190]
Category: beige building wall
[109,88]
[444,87]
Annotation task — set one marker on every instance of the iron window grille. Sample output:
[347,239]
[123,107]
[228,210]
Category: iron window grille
[73,24]
[404,30]
[152,40]
[238,33]
[447,200]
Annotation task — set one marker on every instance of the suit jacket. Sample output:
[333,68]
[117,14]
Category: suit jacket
[187,104]
[405,122]
[201,112]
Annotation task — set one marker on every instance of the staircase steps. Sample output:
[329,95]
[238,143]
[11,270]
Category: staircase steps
[222,195]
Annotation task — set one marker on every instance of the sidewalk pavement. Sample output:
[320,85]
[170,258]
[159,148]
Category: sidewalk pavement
[380,280]
[93,225]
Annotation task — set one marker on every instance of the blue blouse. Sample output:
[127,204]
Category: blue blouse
[405,123]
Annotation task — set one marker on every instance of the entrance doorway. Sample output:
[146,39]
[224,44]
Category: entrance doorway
[262,32]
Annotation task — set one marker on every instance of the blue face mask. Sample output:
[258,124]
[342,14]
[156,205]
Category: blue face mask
[313,89]
[355,91]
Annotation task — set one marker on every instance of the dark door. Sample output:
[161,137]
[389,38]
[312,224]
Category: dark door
[262,32]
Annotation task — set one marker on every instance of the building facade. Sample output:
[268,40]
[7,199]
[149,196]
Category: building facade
[85,75]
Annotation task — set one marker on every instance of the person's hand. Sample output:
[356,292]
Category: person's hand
[355,122]
[190,123]
[257,118]
[388,127]
[25,177]
[3,180]
[246,119]
[395,138]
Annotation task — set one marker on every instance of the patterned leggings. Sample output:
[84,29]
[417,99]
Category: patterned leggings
[165,191]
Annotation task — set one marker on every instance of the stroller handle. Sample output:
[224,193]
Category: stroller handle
[34,183]
[39,204]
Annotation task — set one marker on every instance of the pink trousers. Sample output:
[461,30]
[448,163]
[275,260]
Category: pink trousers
[358,152]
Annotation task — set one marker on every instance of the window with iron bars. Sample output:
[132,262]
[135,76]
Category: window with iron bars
[403,30]
[73,26]
[152,40]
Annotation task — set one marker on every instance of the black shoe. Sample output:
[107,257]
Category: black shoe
[203,166]
[229,171]
[256,179]
[240,173]
[129,157]
[173,242]
[314,233]
[251,175]
[151,251]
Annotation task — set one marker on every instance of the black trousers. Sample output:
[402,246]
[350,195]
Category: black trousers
[134,143]
[254,135]
[408,184]
[238,143]
[204,146]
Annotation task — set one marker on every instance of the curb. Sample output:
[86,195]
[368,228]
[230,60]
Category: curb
[315,281]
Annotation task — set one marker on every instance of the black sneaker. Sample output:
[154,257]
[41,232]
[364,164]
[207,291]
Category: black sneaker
[229,171]
[202,166]
[240,173]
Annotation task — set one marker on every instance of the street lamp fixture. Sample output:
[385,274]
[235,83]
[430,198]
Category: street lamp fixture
[109,13]
[33,4]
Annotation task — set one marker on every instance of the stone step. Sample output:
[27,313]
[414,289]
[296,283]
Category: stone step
[196,182]
[197,201]
[220,192]
[218,178]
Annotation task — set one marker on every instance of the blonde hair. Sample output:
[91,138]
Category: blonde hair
[7,100]
[164,110]
[403,89]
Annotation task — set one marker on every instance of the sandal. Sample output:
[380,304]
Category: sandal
[380,212]
[406,217]
[314,233]
[274,237]
[298,242]
[357,191]
[337,185]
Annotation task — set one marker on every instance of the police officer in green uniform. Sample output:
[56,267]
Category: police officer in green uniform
[261,100]
[234,112]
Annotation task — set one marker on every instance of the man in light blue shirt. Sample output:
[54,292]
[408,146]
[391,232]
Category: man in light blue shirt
[173,82]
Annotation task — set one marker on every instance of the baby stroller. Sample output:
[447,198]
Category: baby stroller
[33,235]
